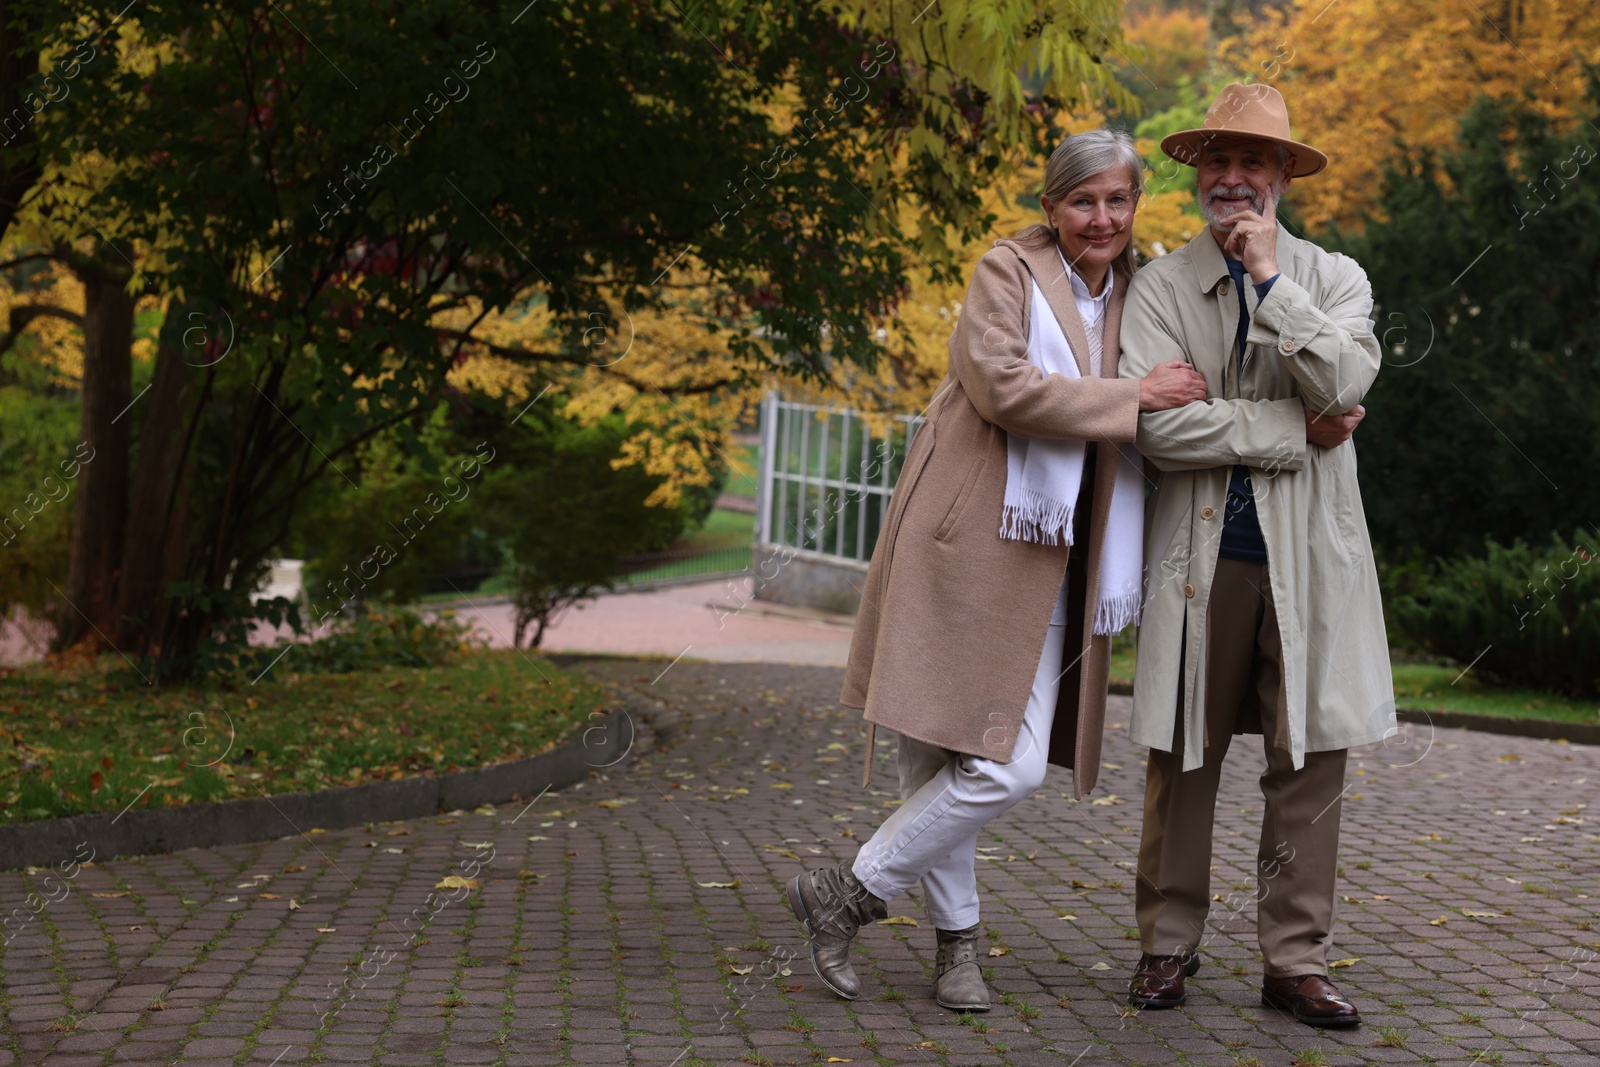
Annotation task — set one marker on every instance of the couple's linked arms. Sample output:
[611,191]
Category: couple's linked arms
[1333,356]
[989,357]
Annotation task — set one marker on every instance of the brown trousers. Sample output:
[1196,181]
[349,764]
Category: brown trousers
[1299,842]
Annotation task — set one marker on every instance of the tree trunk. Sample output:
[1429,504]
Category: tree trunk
[101,507]
[156,527]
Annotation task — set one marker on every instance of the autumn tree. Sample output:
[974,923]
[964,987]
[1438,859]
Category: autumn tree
[319,192]
[1362,76]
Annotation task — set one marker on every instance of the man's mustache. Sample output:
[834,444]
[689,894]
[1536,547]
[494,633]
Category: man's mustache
[1256,201]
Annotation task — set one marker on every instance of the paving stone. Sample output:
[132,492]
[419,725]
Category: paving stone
[610,950]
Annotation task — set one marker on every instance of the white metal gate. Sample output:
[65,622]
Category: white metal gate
[826,478]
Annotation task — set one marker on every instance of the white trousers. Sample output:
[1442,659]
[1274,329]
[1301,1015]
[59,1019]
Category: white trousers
[947,797]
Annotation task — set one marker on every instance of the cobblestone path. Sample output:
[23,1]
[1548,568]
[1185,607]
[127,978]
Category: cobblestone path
[637,918]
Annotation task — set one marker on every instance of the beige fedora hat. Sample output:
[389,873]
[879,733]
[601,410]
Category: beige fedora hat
[1255,111]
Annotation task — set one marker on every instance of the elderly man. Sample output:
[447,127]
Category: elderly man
[1262,612]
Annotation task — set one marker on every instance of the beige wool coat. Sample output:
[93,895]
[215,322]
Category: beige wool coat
[1310,345]
[953,618]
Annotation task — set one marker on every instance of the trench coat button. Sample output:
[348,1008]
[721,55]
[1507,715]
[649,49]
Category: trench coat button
[1222,288]
[1286,346]
[1188,590]
[1207,512]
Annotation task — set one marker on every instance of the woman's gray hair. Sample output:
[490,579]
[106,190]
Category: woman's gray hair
[1077,159]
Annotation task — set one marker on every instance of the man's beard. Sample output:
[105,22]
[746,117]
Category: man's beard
[1258,201]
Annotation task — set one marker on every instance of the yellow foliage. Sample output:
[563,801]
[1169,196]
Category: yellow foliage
[1164,47]
[660,369]
[949,45]
[1164,222]
[50,341]
[1358,74]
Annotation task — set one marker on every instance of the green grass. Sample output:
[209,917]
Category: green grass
[723,529]
[1428,687]
[745,471]
[74,742]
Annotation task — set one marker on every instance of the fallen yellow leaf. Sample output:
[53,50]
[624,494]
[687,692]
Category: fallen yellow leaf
[455,881]
[998,950]
[718,885]
[898,920]
[741,970]
[1440,921]
[1348,961]
[294,905]
[613,805]
[1471,914]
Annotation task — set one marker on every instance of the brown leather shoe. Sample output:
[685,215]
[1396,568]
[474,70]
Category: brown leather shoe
[1312,999]
[1158,981]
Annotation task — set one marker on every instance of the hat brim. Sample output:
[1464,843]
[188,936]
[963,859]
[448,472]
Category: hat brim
[1184,146]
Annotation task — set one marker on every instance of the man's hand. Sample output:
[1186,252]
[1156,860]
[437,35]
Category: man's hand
[1331,431]
[1254,239]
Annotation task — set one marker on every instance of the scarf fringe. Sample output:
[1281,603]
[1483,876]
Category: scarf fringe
[1038,518]
[1112,614]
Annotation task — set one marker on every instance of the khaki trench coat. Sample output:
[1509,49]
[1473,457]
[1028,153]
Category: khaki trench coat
[1310,345]
[953,618]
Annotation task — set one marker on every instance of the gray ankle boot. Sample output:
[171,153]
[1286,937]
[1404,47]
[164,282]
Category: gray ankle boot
[832,904]
[958,978]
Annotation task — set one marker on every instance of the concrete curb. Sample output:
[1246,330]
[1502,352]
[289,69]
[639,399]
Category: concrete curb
[1544,729]
[1540,729]
[604,743]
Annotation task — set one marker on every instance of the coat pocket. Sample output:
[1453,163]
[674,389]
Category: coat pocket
[969,483]
[922,447]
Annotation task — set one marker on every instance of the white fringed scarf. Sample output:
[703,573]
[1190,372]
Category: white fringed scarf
[1043,476]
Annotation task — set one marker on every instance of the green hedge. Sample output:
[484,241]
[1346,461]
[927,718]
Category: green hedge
[1523,614]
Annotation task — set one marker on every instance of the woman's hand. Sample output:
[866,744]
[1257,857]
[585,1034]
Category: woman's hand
[1171,385]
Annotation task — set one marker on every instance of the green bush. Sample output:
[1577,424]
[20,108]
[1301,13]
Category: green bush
[567,516]
[1532,614]
[1485,419]
[384,636]
[38,431]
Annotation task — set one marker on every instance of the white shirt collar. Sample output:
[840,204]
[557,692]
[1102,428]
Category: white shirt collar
[1080,288]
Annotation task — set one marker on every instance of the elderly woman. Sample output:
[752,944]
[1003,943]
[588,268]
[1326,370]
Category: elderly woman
[982,639]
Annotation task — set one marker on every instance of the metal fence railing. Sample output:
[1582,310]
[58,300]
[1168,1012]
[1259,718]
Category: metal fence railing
[826,478]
